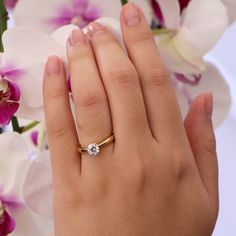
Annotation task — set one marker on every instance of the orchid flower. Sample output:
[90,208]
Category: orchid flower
[189,30]
[50,15]
[15,217]
[190,34]
[21,73]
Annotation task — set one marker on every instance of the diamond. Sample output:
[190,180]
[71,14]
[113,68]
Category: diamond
[93,149]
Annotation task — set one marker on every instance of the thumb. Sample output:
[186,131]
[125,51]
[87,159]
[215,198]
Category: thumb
[199,128]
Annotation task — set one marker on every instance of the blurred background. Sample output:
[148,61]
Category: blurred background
[224,55]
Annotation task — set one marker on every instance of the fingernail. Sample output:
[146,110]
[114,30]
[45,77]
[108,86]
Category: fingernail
[209,105]
[77,37]
[131,14]
[53,65]
[95,29]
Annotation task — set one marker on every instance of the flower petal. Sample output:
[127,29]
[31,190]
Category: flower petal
[212,81]
[29,224]
[231,7]
[38,185]
[8,225]
[179,56]
[171,13]
[206,22]
[13,150]
[7,111]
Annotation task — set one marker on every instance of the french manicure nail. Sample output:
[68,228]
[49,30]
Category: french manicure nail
[53,65]
[209,105]
[131,14]
[77,37]
[95,29]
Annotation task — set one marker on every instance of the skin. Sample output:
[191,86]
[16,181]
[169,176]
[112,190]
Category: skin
[160,175]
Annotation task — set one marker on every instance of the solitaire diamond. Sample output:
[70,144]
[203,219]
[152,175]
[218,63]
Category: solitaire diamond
[93,149]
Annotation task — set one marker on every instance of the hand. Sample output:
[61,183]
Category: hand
[159,176]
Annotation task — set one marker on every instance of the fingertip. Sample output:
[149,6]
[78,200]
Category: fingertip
[53,65]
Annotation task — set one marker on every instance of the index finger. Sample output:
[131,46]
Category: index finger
[62,135]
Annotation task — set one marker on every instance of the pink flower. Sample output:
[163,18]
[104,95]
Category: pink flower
[9,91]
[15,216]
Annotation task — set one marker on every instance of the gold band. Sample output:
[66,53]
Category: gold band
[93,149]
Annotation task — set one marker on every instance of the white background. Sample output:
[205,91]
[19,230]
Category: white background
[224,55]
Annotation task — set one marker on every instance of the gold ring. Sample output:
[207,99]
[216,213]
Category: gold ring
[93,149]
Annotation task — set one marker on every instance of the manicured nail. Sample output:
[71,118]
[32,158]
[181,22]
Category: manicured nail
[53,65]
[209,105]
[131,14]
[95,29]
[76,38]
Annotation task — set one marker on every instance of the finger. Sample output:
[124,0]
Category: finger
[161,103]
[199,128]
[62,136]
[121,82]
[93,115]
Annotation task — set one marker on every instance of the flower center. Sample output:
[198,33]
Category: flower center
[2,217]
[5,93]
[76,20]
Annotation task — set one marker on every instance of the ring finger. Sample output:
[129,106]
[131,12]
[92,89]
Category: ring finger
[91,104]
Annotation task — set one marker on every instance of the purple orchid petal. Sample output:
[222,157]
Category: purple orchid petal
[7,224]
[15,92]
[157,12]
[11,71]
[7,111]
[194,80]
[34,137]
[11,202]
[10,3]
[183,4]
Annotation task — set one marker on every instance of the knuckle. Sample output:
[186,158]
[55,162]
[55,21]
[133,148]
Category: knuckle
[125,77]
[156,77]
[56,126]
[54,94]
[84,52]
[91,99]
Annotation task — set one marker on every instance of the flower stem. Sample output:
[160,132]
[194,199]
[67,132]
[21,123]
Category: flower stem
[29,126]
[123,2]
[3,21]
[161,31]
[15,124]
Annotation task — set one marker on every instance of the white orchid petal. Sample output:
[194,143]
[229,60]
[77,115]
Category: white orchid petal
[171,13]
[231,7]
[28,224]
[62,34]
[30,48]
[212,81]
[13,150]
[206,21]
[180,57]
[38,185]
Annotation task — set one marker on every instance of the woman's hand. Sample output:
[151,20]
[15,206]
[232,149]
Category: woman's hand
[159,176]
